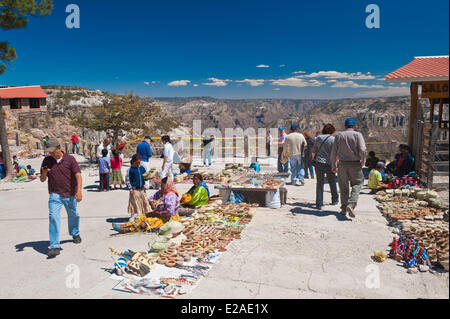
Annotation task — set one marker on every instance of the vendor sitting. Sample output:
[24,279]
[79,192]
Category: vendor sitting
[375,182]
[195,198]
[185,165]
[404,162]
[164,204]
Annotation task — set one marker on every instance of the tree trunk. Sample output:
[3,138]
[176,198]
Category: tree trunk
[6,154]
[115,137]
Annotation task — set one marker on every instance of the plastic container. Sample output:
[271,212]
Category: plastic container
[273,199]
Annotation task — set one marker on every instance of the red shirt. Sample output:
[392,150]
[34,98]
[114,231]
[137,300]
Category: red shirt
[116,165]
[74,139]
[61,177]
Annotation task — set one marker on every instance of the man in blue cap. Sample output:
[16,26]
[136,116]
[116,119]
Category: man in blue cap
[145,152]
[348,156]
[293,148]
[282,168]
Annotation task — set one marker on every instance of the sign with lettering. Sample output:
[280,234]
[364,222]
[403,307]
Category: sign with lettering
[438,89]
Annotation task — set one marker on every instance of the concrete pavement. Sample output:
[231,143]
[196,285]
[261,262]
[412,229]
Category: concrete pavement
[292,252]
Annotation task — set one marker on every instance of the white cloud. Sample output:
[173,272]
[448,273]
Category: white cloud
[252,82]
[297,82]
[263,66]
[276,89]
[154,82]
[299,72]
[179,83]
[340,75]
[195,85]
[217,82]
[389,91]
[351,84]
[146,83]
[282,65]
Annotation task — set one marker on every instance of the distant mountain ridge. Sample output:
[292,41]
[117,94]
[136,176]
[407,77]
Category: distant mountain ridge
[379,119]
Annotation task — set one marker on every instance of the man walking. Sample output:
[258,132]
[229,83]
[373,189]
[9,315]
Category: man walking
[282,168]
[168,152]
[293,148]
[349,150]
[145,152]
[64,187]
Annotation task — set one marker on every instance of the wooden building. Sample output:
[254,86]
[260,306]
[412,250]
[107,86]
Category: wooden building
[23,99]
[428,127]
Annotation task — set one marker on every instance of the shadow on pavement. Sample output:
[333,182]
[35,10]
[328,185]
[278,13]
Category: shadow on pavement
[310,209]
[91,187]
[119,220]
[39,246]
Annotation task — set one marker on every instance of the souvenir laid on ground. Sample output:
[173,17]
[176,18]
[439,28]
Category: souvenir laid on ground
[184,251]
[420,219]
[150,174]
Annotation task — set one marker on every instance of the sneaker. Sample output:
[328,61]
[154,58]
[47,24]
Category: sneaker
[350,212]
[302,182]
[53,252]
[76,239]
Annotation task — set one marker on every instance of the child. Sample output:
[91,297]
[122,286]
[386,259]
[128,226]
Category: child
[375,179]
[104,164]
[138,203]
[116,167]
[30,170]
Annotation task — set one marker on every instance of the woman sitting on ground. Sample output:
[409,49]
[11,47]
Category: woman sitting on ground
[196,197]
[165,207]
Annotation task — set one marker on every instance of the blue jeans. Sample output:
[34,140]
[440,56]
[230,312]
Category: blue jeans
[75,145]
[309,168]
[55,204]
[104,181]
[282,168]
[207,153]
[297,169]
[321,171]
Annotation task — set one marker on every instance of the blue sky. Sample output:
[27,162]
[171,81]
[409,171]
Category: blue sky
[228,49]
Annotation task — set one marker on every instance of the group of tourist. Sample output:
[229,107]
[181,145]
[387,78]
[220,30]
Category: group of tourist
[146,213]
[340,157]
[335,157]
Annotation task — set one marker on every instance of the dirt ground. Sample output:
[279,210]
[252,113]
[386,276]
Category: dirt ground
[292,252]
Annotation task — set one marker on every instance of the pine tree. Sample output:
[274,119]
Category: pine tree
[120,112]
[14,14]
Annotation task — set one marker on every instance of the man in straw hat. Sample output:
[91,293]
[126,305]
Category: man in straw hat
[64,187]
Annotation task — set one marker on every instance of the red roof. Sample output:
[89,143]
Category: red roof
[22,92]
[421,69]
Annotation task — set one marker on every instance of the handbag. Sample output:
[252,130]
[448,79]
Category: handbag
[314,162]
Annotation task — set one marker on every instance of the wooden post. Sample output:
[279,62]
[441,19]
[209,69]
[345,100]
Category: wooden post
[392,149]
[419,142]
[17,139]
[414,89]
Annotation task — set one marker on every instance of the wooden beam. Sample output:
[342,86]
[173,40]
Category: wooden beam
[414,89]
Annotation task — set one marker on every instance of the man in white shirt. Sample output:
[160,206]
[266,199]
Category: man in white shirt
[282,168]
[168,152]
[105,144]
[293,148]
